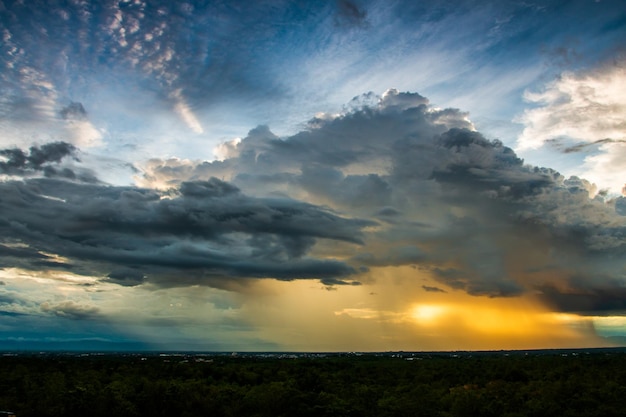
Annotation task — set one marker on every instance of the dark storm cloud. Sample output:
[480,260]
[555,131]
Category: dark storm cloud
[205,230]
[601,300]
[20,256]
[127,277]
[429,288]
[18,162]
[48,160]
[465,209]
[334,281]
[50,152]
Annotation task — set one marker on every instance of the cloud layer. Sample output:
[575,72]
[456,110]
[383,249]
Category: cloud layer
[204,232]
[464,208]
[392,182]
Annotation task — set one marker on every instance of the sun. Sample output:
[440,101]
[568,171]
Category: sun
[427,313]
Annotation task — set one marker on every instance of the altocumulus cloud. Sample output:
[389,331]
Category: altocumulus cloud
[393,181]
[191,53]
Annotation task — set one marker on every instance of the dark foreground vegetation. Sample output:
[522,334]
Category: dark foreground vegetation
[546,384]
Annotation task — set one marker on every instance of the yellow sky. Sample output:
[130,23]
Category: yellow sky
[396,313]
[391,312]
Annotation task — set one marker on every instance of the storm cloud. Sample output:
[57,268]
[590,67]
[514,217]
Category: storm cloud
[202,230]
[52,160]
[390,183]
[443,197]
[18,162]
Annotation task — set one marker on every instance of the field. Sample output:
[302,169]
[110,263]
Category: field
[536,383]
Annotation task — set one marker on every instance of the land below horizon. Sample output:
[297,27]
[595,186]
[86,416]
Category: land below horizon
[565,382]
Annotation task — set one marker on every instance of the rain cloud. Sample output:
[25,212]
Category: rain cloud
[444,198]
[200,231]
[396,182]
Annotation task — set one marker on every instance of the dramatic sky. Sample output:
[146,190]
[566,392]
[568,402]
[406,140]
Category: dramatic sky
[326,175]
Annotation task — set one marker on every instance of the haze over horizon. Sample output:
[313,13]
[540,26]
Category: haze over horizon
[313,176]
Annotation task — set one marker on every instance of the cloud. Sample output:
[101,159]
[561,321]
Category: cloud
[465,209]
[186,58]
[74,111]
[429,288]
[127,277]
[620,204]
[185,112]
[388,183]
[16,304]
[18,162]
[204,230]
[78,129]
[334,281]
[52,160]
[70,309]
[585,108]
[597,301]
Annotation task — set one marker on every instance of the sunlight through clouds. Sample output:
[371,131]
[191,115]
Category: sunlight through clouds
[426,314]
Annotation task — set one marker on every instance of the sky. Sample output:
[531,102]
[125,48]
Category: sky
[346,175]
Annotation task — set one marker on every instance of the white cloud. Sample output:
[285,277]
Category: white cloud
[586,107]
[608,168]
[83,133]
[227,150]
[588,110]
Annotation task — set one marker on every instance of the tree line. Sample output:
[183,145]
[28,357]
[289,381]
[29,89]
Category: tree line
[440,385]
